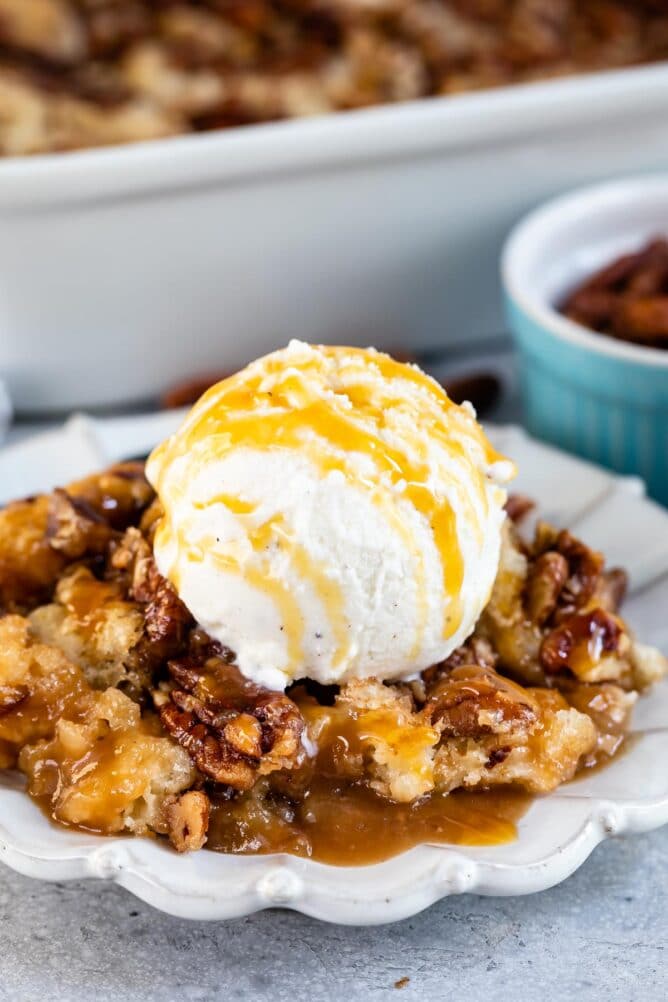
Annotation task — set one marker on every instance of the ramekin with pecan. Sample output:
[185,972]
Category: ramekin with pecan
[628,298]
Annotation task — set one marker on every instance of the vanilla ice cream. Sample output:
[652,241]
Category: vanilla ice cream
[329,513]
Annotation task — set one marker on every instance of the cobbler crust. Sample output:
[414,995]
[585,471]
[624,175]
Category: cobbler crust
[125,716]
[77,73]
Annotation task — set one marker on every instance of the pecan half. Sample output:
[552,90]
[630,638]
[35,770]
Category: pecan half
[165,615]
[166,618]
[611,589]
[187,819]
[644,320]
[213,755]
[585,567]
[471,701]
[628,298]
[74,527]
[233,730]
[581,641]
[547,576]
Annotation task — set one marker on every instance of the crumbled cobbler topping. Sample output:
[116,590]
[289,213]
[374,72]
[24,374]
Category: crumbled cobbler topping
[76,73]
[125,716]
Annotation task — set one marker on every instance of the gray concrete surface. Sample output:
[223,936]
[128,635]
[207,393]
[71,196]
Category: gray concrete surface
[603,935]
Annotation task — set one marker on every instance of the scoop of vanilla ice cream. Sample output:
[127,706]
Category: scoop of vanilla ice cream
[329,513]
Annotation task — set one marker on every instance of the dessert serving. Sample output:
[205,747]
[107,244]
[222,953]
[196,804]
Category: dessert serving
[313,624]
[80,73]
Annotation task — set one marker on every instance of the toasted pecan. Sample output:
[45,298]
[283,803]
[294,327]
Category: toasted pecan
[581,641]
[644,320]
[547,576]
[628,298]
[120,494]
[74,527]
[234,730]
[165,616]
[539,587]
[585,567]
[611,589]
[471,701]
[476,651]
[187,820]
[211,752]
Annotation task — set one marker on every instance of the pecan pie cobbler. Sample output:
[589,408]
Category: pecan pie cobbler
[82,73]
[126,715]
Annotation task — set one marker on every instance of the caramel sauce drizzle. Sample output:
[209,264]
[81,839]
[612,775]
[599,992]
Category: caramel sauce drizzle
[280,406]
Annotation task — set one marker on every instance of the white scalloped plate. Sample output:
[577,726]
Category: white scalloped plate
[556,834]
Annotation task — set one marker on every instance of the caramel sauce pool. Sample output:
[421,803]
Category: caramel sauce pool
[326,812]
[348,825]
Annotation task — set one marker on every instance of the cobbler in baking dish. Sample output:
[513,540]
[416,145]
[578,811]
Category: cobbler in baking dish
[128,710]
[82,73]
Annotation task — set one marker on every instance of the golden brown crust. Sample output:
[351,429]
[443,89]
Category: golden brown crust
[474,730]
[108,770]
[93,623]
[89,756]
[538,759]
[77,74]
[29,566]
[41,536]
[39,684]
[609,707]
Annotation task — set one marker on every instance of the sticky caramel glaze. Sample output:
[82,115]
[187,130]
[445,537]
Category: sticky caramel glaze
[612,725]
[345,824]
[325,812]
[106,780]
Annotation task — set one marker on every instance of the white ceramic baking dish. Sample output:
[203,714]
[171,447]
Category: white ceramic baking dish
[123,270]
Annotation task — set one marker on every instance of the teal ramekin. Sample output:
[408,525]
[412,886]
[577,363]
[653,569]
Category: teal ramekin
[588,393]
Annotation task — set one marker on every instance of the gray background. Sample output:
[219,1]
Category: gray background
[601,935]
